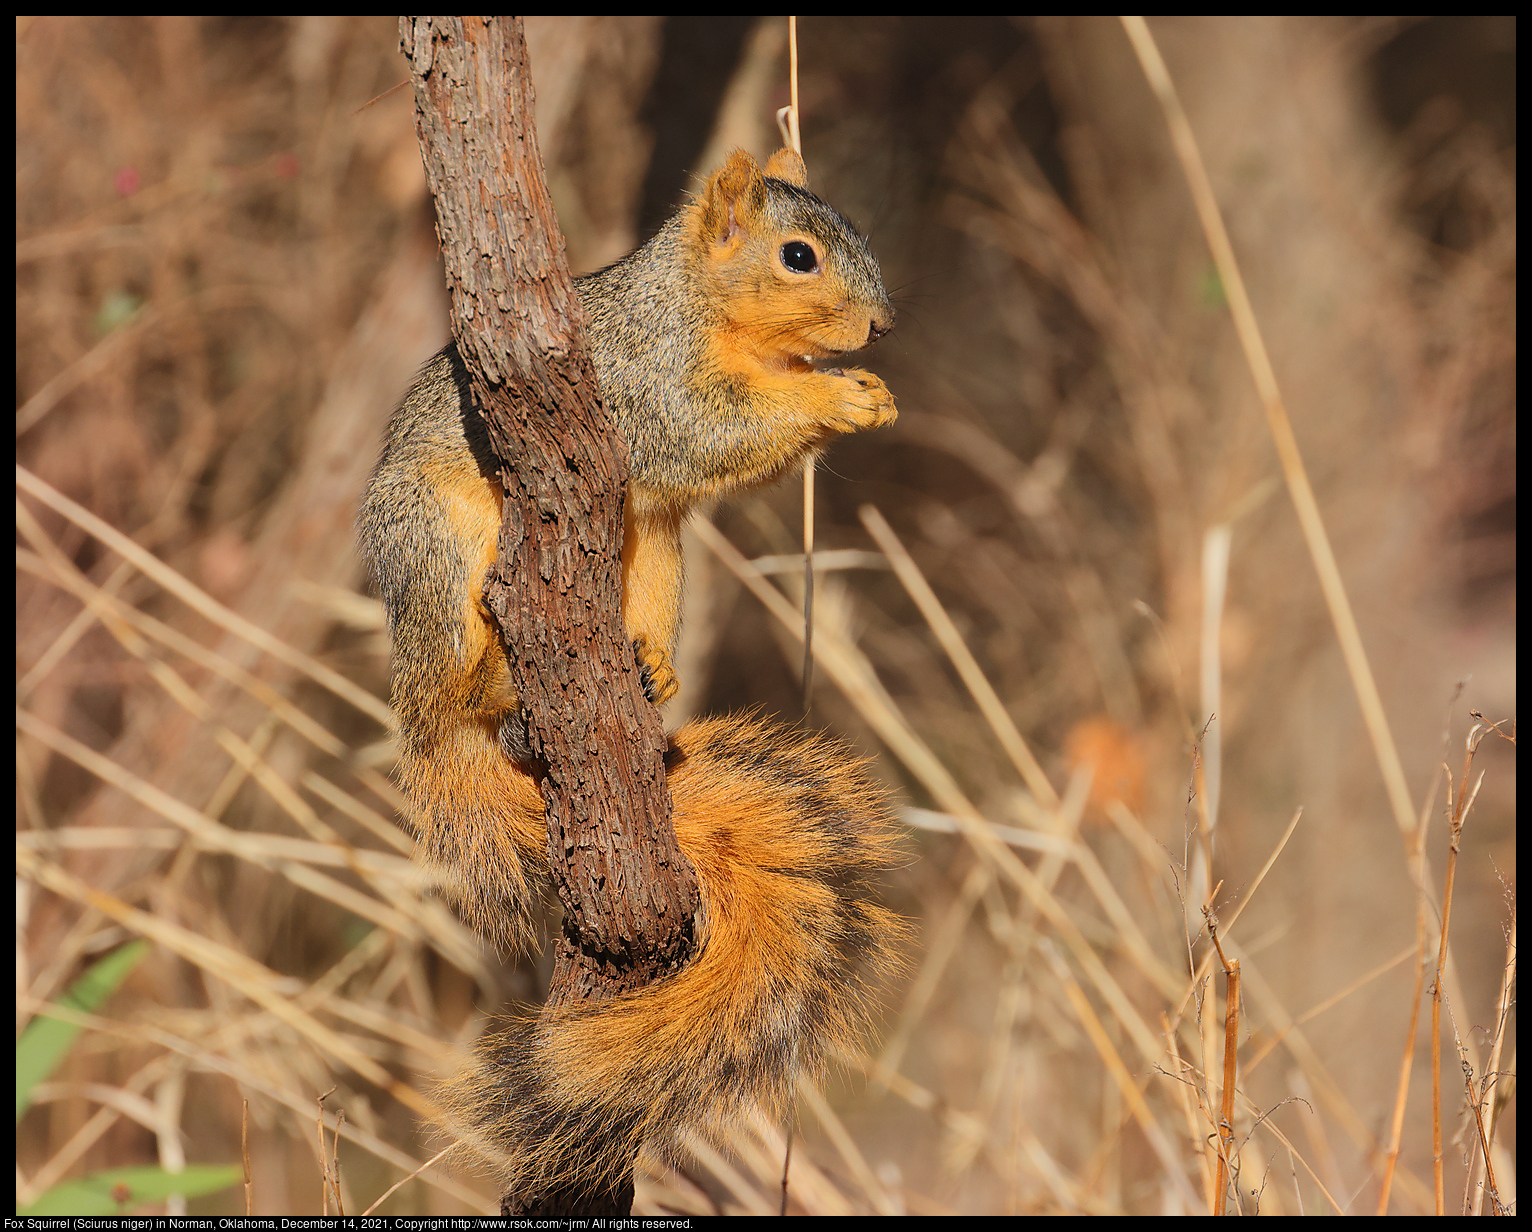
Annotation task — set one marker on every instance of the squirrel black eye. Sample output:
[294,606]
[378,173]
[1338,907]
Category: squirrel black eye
[800,257]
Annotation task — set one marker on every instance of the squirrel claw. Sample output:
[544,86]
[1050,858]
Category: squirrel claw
[655,671]
[868,404]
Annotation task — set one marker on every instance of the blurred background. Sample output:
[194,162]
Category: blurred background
[226,278]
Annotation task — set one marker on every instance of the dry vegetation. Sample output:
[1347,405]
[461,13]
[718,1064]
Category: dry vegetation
[1077,622]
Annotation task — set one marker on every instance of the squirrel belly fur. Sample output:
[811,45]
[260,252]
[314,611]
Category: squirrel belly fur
[704,341]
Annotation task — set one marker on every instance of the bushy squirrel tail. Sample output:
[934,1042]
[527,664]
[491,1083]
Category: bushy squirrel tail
[788,836]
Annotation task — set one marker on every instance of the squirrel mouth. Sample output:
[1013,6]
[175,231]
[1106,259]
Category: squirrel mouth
[812,363]
[816,355]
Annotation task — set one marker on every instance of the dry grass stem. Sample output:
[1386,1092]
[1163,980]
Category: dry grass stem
[1225,1172]
[1489,1098]
[961,657]
[198,600]
[848,668]
[1102,673]
[1422,962]
[872,1189]
[1293,469]
[1113,1061]
[244,1152]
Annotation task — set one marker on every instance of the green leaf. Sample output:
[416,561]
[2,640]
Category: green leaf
[116,310]
[45,1041]
[1210,289]
[122,1189]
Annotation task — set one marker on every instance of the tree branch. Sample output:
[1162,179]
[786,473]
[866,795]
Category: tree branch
[630,897]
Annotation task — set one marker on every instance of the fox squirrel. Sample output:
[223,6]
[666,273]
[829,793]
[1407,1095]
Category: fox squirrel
[704,341]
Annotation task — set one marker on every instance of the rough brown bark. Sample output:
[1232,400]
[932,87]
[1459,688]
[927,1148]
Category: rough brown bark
[629,895]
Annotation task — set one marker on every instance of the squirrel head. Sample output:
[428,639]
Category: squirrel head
[786,270]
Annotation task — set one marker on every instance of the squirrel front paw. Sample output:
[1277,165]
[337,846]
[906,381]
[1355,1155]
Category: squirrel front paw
[865,401]
[656,671]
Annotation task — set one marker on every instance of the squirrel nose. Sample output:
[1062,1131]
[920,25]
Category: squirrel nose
[878,328]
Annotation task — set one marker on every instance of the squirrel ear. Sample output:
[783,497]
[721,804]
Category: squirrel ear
[728,194]
[787,164]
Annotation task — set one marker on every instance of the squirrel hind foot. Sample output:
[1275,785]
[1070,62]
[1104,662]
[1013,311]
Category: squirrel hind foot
[516,739]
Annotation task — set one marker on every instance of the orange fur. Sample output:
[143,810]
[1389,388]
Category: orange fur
[788,837]
[702,340]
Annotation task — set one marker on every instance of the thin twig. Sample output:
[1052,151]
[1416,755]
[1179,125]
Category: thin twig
[381,1198]
[1183,1084]
[244,1154]
[1460,799]
[324,1168]
[787,1159]
[1491,1078]
[1422,960]
[787,120]
[1230,1055]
